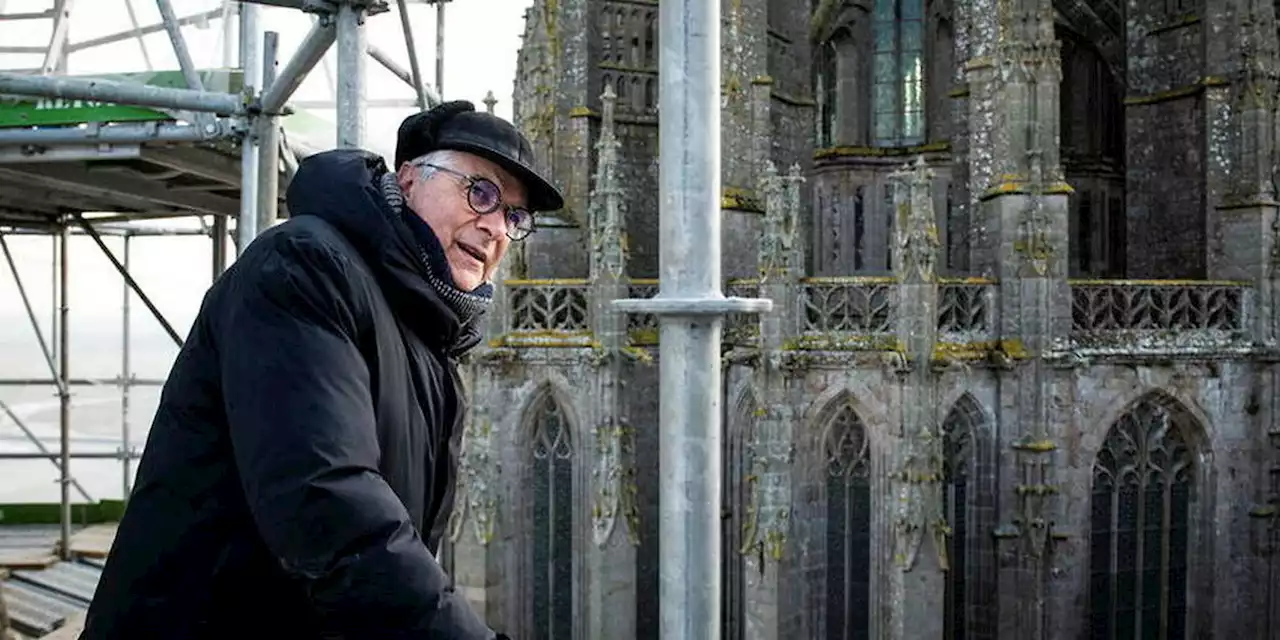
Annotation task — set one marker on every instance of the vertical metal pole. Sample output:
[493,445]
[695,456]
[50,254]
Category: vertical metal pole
[228,34]
[415,69]
[219,240]
[440,48]
[251,65]
[689,237]
[54,331]
[269,142]
[351,64]
[126,378]
[64,394]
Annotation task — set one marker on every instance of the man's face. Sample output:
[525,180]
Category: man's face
[473,244]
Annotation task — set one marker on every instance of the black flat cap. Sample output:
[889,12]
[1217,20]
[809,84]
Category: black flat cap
[457,126]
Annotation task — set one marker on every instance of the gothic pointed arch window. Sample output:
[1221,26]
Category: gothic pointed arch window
[551,486]
[848,484]
[825,81]
[897,77]
[1142,491]
[736,501]
[969,492]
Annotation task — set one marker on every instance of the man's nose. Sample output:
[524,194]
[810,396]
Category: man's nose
[495,223]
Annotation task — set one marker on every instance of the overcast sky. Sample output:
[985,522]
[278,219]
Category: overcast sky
[482,40]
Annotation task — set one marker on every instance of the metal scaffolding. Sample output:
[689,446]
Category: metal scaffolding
[691,311]
[56,167]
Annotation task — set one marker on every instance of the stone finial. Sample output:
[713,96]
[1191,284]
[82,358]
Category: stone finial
[608,101]
[608,242]
[916,239]
[489,101]
[782,210]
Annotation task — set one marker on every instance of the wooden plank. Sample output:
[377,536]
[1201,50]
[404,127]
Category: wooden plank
[93,542]
[27,559]
[70,630]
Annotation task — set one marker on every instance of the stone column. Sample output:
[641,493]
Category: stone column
[1243,223]
[918,520]
[1242,246]
[611,561]
[1015,75]
[769,571]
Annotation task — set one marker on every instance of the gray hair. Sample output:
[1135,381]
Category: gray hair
[441,157]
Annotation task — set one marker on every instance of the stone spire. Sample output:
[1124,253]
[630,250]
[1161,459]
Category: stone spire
[608,209]
[489,101]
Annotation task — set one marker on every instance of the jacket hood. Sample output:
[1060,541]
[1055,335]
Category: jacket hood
[342,188]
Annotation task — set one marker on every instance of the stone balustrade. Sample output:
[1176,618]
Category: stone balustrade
[861,313]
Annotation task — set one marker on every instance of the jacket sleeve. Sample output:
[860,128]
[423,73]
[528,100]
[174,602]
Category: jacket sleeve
[302,428]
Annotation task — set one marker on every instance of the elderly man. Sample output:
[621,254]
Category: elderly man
[302,461]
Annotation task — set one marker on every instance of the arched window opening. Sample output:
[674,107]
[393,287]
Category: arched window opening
[606,33]
[897,85]
[1142,490]
[848,527]
[650,39]
[552,488]
[970,583]
[1092,135]
[825,83]
[736,500]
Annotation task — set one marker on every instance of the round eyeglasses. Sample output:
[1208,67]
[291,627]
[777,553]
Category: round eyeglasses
[485,197]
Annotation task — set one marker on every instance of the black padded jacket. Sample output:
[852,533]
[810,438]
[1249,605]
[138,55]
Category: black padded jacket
[301,464]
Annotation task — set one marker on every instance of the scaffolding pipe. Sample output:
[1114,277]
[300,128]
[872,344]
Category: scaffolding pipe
[90,455]
[219,246]
[351,63]
[691,310]
[251,62]
[126,373]
[429,96]
[64,389]
[415,69]
[268,142]
[171,25]
[31,312]
[44,451]
[129,281]
[198,18]
[137,29]
[440,47]
[121,92]
[55,57]
[79,382]
[135,133]
[309,53]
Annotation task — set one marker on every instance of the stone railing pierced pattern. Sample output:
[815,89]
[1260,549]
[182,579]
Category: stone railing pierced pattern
[965,310]
[848,306]
[549,306]
[1153,306]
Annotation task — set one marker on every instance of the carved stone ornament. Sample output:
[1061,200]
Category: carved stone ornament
[608,478]
[777,250]
[916,229]
[475,492]
[608,209]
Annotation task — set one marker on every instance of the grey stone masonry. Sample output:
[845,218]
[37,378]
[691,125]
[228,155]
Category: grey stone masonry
[1020,380]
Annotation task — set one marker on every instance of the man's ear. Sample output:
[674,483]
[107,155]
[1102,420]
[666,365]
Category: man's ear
[406,177]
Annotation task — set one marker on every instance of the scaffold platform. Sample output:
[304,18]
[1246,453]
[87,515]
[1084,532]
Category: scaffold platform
[133,162]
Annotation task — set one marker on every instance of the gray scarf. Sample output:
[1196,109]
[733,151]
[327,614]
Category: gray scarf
[468,305]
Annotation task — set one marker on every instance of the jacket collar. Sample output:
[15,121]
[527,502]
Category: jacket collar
[342,187]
